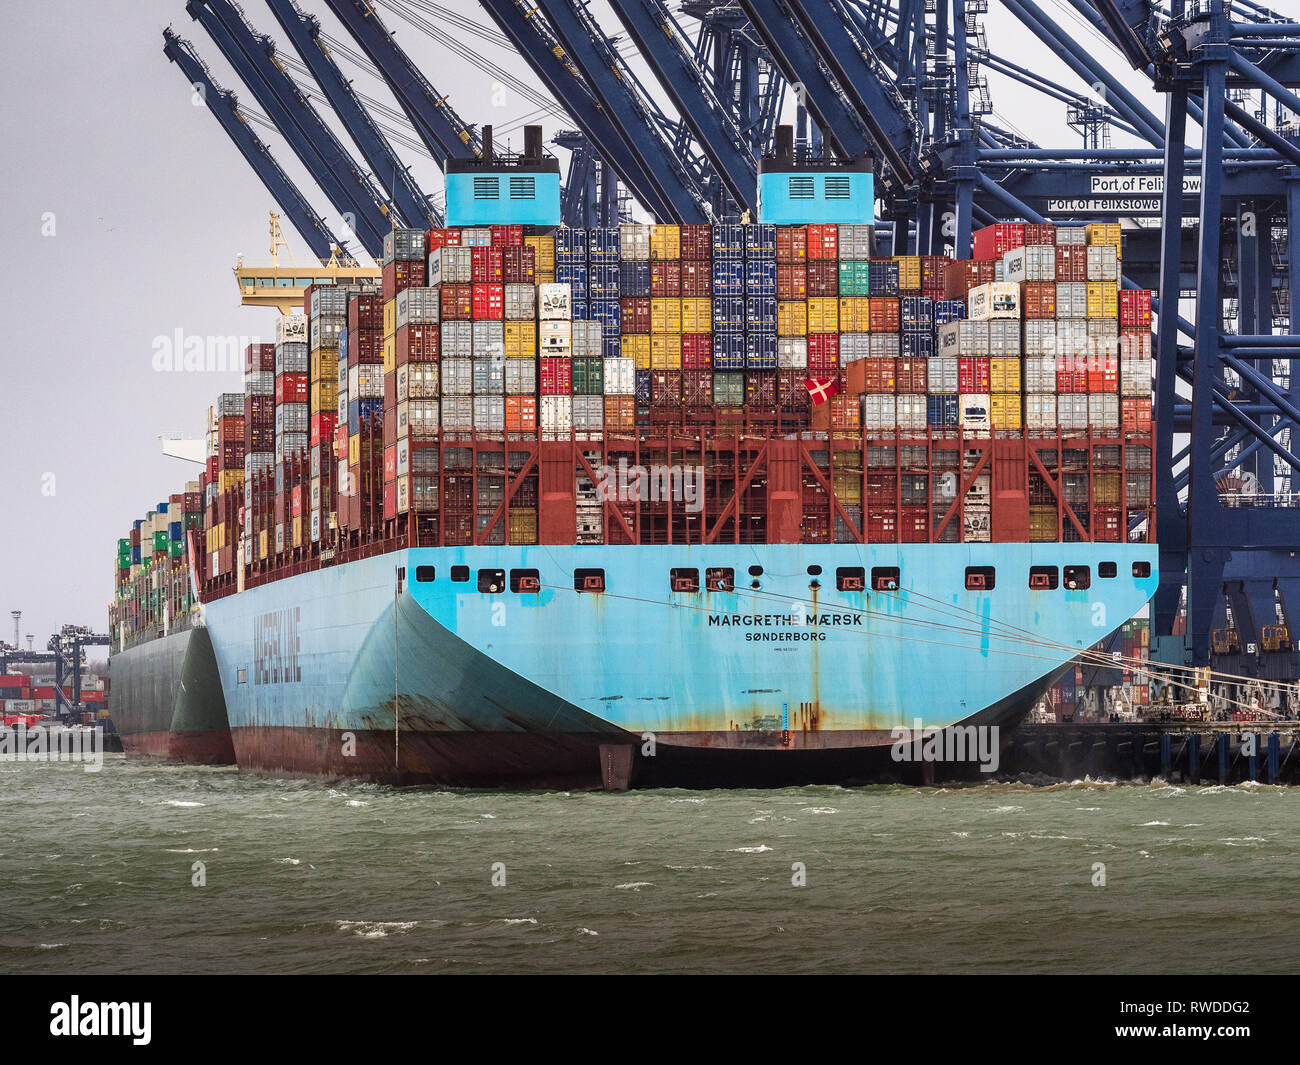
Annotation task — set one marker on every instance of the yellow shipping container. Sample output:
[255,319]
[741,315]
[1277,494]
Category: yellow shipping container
[665,242]
[546,277]
[823,314]
[544,247]
[325,365]
[523,525]
[1042,524]
[848,488]
[855,314]
[390,318]
[1004,373]
[665,315]
[792,318]
[1105,489]
[909,272]
[295,530]
[354,451]
[1103,299]
[229,479]
[636,346]
[1004,410]
[1104,233]
[665,351]
[324,396]
[697,315]
[261,544]
[521,340]
[390,354]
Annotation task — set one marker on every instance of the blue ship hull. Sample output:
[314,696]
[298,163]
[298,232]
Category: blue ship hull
[364,670]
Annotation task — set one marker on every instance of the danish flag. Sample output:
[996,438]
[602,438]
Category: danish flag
[821,388]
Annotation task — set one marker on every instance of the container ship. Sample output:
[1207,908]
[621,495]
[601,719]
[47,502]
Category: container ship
[686,505]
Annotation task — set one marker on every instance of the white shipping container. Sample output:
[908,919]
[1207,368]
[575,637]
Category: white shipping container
[1004,337]
[1071,299]
[418,306]
[488,340]
[1040,410]
[884,345]
[792,352]
[521,377]
[1103,263]
[490,414]
[957,339]
[620,377]
[554,301]
[457,340]
[588,413]
[853,346]
[490,376]
[291,329]
[1071,235]
[1031,262]
[521,302]
[977,523]
[418,380]
[450,266]
[1071,336]
[476,237]
[973,410]
[1072,411]
[403,493]
[366,380]
[587,340]
[317,523]
[417,419]
[557,415]
[1135,345]
[1103,410]
[457,413]
[1040,337]
[457,377]
[556,336]
[1104,346]
[634,243]
[1135,377]
[910,412]
[1040,375]
[997,299]
[942,376]
[1103,327]
[403,457]
[878,411]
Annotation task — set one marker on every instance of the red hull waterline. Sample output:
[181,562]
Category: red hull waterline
[198,748]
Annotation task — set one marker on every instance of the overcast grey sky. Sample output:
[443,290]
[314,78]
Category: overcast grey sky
[150,203]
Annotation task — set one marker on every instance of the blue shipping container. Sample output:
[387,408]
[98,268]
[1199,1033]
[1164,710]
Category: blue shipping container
[609,313]
[760,351]
[580,310]
[760,277]
[729,241]
[882,279]
[728,351]
[729,314]
[760,312]
[728,277]
[643,388]
[634,279]
[760,241]
[570,243]
[611,347]
[602,244]
[576,276]
[946,311]
[941,411]
[916,345]
[917,312]
[173,530]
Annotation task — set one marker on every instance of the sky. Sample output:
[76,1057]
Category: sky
[124,208]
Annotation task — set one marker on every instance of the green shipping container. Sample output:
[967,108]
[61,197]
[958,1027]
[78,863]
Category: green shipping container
[728,389]
[853,279]
[160,541]
[177,548]
[588,377]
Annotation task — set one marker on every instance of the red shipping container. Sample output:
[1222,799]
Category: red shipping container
[883,314]
[635,314]
[296,497]
[322,427]
[934,274]
[232,454]
[508,234]
[291,388]
[697,351]
[973,373]
[992,241]
[1040,233]
[1107,524]
[878,375]
[390,501]
[556,376]
[697,388]
[791,392]
[401,275]
[792,245]
[365,345]
[823,277]
[417,343]
[666,388]
[390,463]
[1135,307]
[1072,373]
[823,241]
[697,243]
[390,390]
[760,389]
[823,351]
[231,427]
[1038,298]
[914,525]
[882,525]
[697,278]
[520,262]
[791,281]
[1071,262]
[489,302]
[457,302]
[666,278]
[521,414]
[364,312]
[259,357]
[1135,414]
[1103,373]
[911,377]
[487,265]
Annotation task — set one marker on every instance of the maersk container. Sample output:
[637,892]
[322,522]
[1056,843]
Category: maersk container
[554,301]
[1040,375]
[961,338]
[366,381]
[878,411]
[1030,262]
[1071,235]
[490,414]
[792,353]
[556,337]
[456,340]
[884,345]
[1040,410]
[997,299]
[418,419]
[1072,411]
[421,380]
[521,302]
[292,418]
[289,443]
[942,376]
[1040,337]
[587,339]
[854,346]
[289,358]
[1071,299]
[418,306]
[521,377]
[1071,336]
[291,329]
[941,410]
[1004,337]
[855,241]
[450,266]
[458,377]
[910,411]
[457,413]
[489,377]
[974,411]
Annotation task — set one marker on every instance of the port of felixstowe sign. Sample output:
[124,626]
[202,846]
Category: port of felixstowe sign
[1123,194]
